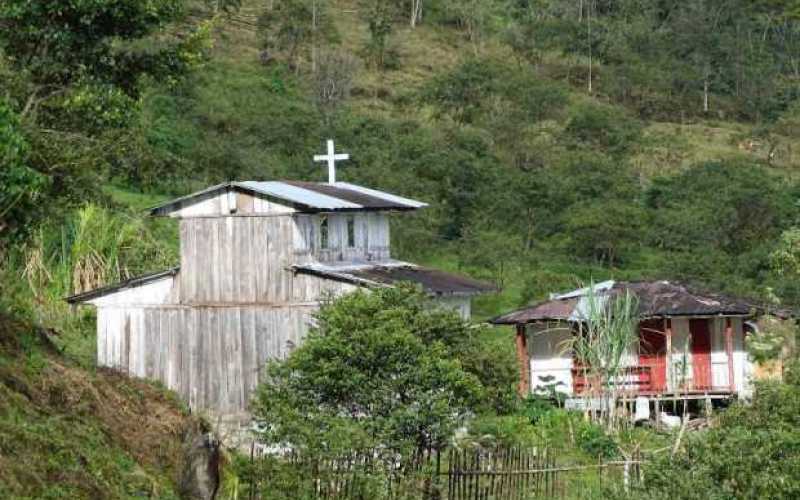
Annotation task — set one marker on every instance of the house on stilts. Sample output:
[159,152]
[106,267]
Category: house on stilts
[689,345]
[256,260]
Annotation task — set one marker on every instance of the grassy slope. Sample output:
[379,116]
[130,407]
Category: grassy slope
[66,432]
[227,116]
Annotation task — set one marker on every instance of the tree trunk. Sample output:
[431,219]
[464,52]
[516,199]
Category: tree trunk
[416,12]
[589,32]
[705,95]
[314,36]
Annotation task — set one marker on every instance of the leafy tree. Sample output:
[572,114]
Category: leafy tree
[62,41]
[20,186]
[297,28]
[381,368]
[379,15]
[728,206]
[603,126]
[606,231]
[753,452]
[464,91]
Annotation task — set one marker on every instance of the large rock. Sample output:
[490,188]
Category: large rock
[200,475]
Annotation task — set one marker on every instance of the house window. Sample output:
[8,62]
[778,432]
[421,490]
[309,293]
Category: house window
[323,232]
[351,232]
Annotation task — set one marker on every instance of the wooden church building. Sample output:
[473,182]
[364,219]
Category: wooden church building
[256,259]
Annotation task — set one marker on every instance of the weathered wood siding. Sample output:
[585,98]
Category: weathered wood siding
[370,241]
[681,353]
[223,202]
[458,303]
[245,260]
[214,357]
[161,291]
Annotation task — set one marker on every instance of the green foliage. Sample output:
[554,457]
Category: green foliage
[595,125]
[593,440]
[747,209]
[20,186]
[296,29]
[492,431]
[379,15]
[61,41]
[379,369]
[754,452]
[535,408]
[607,231]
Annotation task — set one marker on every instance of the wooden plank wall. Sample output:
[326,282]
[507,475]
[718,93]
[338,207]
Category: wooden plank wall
[214,357]
[246,260]
[371,237]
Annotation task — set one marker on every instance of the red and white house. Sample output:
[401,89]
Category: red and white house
[689,344]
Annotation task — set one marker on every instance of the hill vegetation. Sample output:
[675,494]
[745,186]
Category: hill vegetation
[69,432]
[557,141]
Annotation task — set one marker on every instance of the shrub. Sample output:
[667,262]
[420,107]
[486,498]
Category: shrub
[379,370]
[754,452]
[603,126]
[595,442]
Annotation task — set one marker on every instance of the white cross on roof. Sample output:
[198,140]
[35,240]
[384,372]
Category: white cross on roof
[331,158]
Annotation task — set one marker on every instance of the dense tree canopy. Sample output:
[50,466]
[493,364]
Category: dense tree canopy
[381,368]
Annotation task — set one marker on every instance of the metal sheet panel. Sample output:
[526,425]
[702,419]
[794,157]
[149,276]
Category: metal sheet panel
[299,195]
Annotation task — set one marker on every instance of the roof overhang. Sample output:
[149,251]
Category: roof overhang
[309,197]
[655,299]
[390,273]
[116,287]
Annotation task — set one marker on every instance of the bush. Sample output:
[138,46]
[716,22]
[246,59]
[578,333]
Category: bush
[534,408]
[380,369]
[20,186]
[503,431]
[598,125]
[595,442]
[754,452]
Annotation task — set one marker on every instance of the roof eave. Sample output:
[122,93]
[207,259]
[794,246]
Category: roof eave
[130,283]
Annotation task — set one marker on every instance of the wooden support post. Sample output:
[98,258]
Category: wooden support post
[524,361]
[729,350]
[668,355]
[657,411]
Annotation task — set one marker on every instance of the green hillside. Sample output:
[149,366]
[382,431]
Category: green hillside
[557,142]
[68,432]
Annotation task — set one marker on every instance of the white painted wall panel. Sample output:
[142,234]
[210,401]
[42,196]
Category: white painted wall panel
[549,357]
[459,304]
[160,291]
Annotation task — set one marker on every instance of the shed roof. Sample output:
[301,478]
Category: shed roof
[655,299]
[433,281]
[306,196]
[129,283]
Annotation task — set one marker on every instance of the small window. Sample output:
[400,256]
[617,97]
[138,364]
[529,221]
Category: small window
[351,232]
[323,232]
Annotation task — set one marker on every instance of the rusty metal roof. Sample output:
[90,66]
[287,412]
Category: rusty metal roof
[655,299]
[432,281]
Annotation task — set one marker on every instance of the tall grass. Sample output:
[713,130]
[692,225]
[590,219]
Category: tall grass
[92,248]
[607,332]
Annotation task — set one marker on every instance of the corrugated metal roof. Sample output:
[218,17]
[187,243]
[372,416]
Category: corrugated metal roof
[309,196]
[433,281]
[654,298]
[129,283]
